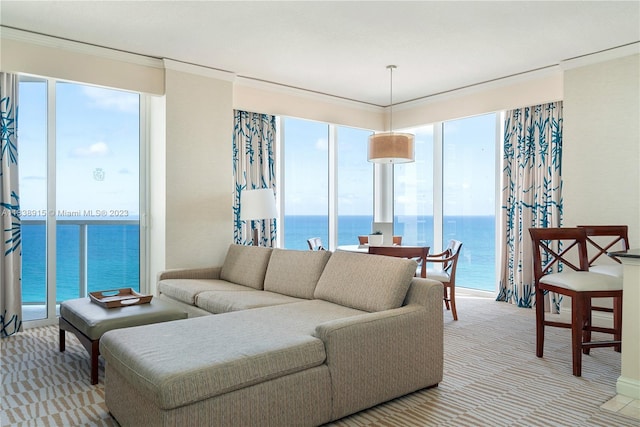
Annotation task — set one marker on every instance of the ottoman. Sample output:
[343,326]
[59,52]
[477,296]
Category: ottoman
[88,321]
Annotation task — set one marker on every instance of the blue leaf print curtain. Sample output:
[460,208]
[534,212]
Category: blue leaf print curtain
[253,168]
[11,262]
[531,196]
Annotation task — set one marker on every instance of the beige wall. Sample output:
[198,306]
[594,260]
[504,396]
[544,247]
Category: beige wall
[199,177]
[601,145]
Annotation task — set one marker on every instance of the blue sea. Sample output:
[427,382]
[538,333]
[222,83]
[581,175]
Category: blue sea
[112,250]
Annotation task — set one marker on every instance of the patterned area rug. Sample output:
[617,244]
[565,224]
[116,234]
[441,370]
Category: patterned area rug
[492,378]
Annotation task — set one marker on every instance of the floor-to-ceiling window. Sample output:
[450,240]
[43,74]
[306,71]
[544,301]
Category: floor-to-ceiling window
[306,182]
[413,192]
[32,146]
[80,187]
[328,183]
[468,197]
[447,193]
[354,176]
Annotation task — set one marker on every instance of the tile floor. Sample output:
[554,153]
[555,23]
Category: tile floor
[623,405]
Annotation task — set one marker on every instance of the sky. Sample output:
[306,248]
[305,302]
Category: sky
[97,151]
[97,160]
[469,168]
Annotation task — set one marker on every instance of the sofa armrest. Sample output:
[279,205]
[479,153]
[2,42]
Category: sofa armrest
[379,356]
[191,273]
[426,292]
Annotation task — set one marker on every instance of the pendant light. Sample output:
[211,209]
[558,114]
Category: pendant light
[391,147]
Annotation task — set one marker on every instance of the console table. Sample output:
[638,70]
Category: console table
[628,383]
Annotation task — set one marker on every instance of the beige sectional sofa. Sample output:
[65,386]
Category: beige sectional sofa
[278,337]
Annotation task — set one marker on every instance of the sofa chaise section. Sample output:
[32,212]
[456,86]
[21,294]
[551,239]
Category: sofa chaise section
[331,334]
[179,371]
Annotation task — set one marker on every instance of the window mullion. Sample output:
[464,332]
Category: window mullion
[51,200]
[438,179]
[333,187]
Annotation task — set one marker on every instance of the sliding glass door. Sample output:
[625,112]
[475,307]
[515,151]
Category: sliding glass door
[32,146]
[80,192]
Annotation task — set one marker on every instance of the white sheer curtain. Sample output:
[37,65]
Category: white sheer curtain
[254,167]
[10,264]
[531,196]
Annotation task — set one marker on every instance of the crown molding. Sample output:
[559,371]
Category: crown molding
[602,56]
[550,71]
[185,67]
[78,47]
[306,94]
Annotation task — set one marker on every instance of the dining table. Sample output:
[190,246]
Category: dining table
[354,248]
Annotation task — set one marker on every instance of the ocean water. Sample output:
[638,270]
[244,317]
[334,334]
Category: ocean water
[112,250]
[476,263]
[112,260]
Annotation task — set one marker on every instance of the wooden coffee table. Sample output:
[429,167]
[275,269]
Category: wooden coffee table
[88,321]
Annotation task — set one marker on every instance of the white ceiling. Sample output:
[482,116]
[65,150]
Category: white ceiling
[342,48]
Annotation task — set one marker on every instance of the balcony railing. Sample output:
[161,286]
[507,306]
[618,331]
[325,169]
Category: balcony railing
[91,254]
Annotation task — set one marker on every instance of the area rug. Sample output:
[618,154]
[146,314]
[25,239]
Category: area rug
[491,378]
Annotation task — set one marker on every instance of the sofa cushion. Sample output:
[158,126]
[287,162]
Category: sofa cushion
[186,290]
[224,301]
[299,317]
[224,355]
[295,273]
[246,265]
[365,282]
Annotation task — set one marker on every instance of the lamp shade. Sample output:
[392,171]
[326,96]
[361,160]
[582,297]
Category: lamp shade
[391,147]
[257,204]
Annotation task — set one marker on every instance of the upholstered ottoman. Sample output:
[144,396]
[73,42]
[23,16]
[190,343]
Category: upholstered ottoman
[88,321]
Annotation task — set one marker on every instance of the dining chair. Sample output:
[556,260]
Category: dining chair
[315,244]
[555,251]
[364,240]
[448,260]
[602,239]
[418,253]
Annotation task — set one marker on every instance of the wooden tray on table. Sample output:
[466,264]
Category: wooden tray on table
[119,298]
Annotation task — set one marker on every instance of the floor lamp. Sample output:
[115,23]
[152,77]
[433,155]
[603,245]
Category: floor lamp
[257,205]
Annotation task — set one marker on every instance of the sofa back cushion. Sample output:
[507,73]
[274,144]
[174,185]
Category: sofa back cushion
[295,273]
[246,265]
[365,282]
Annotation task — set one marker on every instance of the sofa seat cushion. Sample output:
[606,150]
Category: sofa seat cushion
[366,282]
[186,290]
[186,361]
[295,273]
[583,281]
[225,301]
[299,317]
[246,265]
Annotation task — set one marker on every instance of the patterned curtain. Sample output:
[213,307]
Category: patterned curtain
[11,262]
[531,196]
[253,168]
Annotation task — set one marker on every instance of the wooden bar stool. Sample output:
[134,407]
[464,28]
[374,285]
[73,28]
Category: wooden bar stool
[557,248]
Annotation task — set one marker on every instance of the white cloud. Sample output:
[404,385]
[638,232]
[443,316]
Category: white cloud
[322,144]
[111,99]
[99,149]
